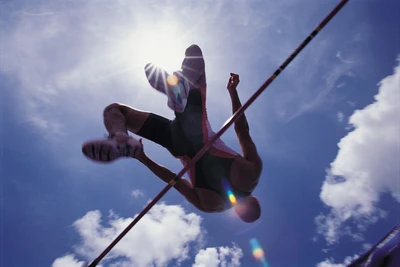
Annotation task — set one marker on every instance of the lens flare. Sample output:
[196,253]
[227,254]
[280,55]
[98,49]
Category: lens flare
[258,252]
[229,192]
[172,80]
[232,197]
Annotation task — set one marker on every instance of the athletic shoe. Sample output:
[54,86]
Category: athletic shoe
[110,149]
[193,67]
[174,86]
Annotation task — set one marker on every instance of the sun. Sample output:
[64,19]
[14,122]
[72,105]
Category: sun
[160,45]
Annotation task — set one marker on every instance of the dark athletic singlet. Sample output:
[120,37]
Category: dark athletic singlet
[213,168]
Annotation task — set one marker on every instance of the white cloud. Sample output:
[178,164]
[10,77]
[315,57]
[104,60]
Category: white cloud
[219,257]
[316,85]
[207,257]
[230,256]
[351,103]
[330,262]
[366,166]
[137,193]
[340,116]
[342,59]
[68,261]
[164,236]
[341,85]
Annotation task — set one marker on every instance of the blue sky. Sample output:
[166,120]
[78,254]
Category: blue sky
[327,129]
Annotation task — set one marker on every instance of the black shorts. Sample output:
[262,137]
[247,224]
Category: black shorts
[167,133]
[182,136]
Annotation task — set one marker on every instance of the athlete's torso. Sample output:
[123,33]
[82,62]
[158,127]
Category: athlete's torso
[212,170]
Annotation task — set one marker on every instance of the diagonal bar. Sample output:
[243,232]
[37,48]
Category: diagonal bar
[223,129]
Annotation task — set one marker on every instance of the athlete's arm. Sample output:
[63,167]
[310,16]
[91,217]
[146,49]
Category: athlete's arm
[241,125]
[242,130]
[183,186]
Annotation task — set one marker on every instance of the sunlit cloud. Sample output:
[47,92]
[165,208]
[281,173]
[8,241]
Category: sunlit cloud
[68,261]
[356,178]
[142,246]
[219,257]
[164,236]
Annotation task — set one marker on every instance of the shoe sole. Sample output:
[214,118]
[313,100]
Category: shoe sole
[100,152]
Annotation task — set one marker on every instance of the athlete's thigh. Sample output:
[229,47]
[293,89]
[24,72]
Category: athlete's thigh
[166,133]
[157,129]
[133,118]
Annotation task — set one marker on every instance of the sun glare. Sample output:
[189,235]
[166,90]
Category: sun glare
[160,45]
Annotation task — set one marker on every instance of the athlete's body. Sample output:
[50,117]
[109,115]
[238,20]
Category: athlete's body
[219,168]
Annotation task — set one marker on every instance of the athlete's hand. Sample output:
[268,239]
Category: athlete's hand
[233,82]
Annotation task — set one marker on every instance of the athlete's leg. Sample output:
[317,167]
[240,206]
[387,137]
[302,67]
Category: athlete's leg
[193,67]
[122,118]
[175,88]
[194,118]
[119,119]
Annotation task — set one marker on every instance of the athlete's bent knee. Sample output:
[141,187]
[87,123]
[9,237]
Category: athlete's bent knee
[110,107]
